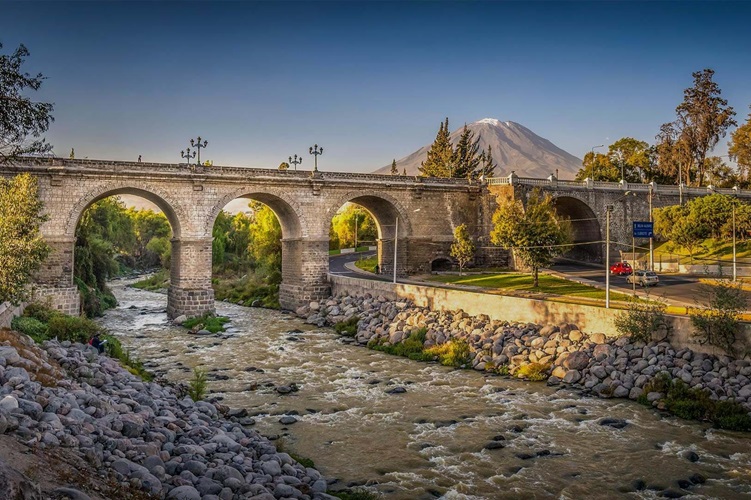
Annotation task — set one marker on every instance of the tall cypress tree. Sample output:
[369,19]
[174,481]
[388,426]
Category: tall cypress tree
[488,164]
[439,162]
[394,170]
[466,157]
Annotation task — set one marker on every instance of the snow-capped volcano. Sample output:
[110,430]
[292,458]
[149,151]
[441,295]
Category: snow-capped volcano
[514,146]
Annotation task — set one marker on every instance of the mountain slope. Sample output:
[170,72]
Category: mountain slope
[515,147]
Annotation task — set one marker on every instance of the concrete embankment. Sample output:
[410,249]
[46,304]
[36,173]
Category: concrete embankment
[138,436]
[605,366]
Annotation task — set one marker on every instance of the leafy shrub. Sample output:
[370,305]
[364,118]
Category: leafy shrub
[72,328]
[718,323]
[40,311]
[348,327]
[31,327]
[642,319]
[455,352]
[208,321]
[412,347]
[696,404]
[534,371]
[197,385]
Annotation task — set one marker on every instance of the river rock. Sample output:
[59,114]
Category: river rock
[180,319]
[577,360]
[396,390]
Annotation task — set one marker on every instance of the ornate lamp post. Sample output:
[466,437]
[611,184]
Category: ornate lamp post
[187,155]
[296,161]
[198,145]
[315,151]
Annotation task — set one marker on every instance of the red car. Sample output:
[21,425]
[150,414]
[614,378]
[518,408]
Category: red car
[621,268]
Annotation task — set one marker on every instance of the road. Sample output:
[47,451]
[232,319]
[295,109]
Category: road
[337,262]
[679,290]
[676,289]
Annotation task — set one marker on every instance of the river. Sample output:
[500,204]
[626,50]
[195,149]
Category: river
[430,441]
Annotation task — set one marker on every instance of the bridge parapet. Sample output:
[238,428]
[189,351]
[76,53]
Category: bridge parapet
[589,184]
[65,165]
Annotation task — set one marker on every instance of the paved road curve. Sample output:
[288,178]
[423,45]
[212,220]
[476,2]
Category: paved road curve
[337,263]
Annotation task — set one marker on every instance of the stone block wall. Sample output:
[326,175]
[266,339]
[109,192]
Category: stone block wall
[190,302]
[67,300]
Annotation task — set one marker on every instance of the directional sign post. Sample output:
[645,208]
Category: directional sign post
[643,229]
[640,230]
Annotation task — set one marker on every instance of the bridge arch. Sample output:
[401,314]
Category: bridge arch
[385,209]
[587,234]
[286,209]
[301,260]
[170,207]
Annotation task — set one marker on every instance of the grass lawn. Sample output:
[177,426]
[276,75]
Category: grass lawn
[710,249]
[523,282]
[368,264]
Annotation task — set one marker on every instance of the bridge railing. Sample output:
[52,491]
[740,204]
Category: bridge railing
[184,168]
[667,189]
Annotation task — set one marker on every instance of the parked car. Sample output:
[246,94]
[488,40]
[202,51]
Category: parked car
[621,268]
[644,278]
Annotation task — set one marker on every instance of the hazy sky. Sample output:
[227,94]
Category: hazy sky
[367,81]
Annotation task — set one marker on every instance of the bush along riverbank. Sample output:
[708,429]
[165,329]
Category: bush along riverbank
[689,384]
[149,440]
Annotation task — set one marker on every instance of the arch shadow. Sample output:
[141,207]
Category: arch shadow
[586,229]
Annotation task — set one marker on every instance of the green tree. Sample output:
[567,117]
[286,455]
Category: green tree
[488,163]
[343,225]
[535,233]
[394,170]
[266,243]
[22,248]
[20,117]
[740,151]
[598,167]
[672,156]
[636,157]
[284,166]
[439,162]
[463,248]
[466,155]
[703,119]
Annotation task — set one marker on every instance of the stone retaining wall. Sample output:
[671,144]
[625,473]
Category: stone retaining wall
[507,308]
[8,311]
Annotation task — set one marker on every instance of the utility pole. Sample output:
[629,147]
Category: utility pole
[608,209]
[396,241]
[651,238]
[735,270]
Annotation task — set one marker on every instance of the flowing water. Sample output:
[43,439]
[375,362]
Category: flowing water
[428,442]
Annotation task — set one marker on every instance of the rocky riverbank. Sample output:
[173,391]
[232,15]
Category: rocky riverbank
[144,440]
[598,364]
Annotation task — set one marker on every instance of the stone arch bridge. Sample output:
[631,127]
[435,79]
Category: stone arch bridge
[191,197]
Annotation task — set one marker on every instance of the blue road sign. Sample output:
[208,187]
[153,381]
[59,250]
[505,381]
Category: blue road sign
[643,229]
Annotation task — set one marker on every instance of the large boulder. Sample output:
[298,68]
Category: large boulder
[577,360]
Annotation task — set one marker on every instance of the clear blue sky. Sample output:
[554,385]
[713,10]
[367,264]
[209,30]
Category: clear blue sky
[367,81]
